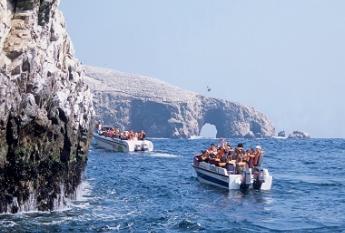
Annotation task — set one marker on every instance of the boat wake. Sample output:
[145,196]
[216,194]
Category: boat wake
[163,155]
[201,137]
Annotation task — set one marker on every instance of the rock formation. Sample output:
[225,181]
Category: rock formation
[298,135]
[282,134]
[45,108]
[162,110]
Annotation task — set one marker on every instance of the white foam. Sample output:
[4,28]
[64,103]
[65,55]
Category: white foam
[83,191]
[163,155]
[7,224]
[278,137]
[61,203]
[201,137]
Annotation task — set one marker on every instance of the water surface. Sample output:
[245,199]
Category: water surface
[158,192]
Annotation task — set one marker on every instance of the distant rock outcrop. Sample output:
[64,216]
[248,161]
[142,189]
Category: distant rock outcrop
[282,134]
[162,110]
[298,135]
[45,108]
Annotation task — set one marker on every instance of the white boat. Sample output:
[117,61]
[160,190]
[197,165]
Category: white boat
[118,145]
[217,176]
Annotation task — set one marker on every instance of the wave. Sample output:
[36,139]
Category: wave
[158,138]
[163,155]
[189,225]
[201,137]
[7,224]
[277,137]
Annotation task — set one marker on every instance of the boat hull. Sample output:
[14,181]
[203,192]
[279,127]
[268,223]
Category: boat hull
[119,145]
[219,177]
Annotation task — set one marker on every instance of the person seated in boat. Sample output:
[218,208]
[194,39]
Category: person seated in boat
[222,143]
[238,151]
[258,156]
[223,157]
[227,147]
[135,136]
[250,155]
[215,158]
[98,127]
[220,153]
[109,133]
[141,135]
[229,154]
[203,157]
[124,135]
[117,133]
[240,159]
[130,135]
[212,151]
[113,132]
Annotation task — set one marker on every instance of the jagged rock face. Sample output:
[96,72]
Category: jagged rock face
[162,110]
[45,108]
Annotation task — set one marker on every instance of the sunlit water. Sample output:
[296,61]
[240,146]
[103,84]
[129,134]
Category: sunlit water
[158,192]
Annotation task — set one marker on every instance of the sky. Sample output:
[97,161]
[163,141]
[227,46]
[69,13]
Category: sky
[286,58]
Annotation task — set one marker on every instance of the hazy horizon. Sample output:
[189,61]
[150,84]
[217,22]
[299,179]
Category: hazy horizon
[284,58]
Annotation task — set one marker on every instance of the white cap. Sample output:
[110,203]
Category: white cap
[258,147]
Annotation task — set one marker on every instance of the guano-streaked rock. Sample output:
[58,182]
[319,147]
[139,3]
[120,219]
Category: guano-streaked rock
[162,110]
[45,108]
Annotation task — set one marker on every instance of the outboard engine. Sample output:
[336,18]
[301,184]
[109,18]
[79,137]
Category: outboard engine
[247,180]
[259,178]
[144,147]
[137,147]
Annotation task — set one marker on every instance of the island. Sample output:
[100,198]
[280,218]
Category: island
[138,102]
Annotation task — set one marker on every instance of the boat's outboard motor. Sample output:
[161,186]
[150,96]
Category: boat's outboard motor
[144,147]
[247,180]
[259,178]
[137,147]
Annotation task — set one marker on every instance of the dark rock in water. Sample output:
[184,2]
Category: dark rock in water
[298,135]
[282,134]
[162,110]
[45,117]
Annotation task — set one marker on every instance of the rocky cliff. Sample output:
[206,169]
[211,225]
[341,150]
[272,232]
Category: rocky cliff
[45,108]
[162,110]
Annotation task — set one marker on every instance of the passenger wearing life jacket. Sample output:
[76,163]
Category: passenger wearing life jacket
[240,158]
[250,157]
[212,151]
[258,156]
[220,153]
[141,135]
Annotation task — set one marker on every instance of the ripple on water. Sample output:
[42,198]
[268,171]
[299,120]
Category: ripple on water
[158,192]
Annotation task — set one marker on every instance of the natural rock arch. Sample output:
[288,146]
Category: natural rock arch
[162,110]
[208,130]
[214,117]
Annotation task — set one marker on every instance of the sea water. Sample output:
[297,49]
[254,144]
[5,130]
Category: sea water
[158,192]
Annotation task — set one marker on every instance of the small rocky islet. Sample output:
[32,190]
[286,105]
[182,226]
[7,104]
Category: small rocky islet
[47,113]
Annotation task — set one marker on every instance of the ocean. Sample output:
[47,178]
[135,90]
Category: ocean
[159,192]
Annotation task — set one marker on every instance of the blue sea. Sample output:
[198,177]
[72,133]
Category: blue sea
[158,192]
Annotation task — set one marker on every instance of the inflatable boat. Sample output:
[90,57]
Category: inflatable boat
[118,145]
[251,178]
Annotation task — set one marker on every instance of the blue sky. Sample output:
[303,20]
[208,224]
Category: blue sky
[285,58]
